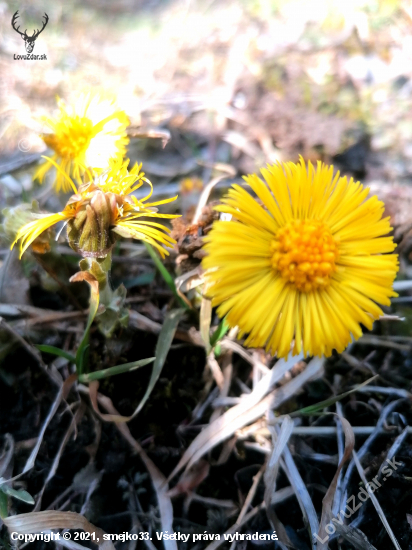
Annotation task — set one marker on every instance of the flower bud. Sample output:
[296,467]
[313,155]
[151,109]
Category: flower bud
[89,232]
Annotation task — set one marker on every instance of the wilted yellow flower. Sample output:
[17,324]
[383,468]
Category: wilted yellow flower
[85,135]
[309,264]
[101,210]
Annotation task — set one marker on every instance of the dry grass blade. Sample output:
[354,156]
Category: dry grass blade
[190,479]
[248,499]
[235,418]
[363,450]
[87,480]
[216,370]
[396,445]
[253,407]
[341,449]
[205,401]
[272,469]
[397,392]
[376,504]
[61,395]
[279,442]
[53,317]
[215,544]
[35,522]
[329,431]
[140,322]
[305,502]
[204,197]
[278,497]
[71,544]
[205,321]
[159,481]
[243,143]
[75,420]
[328,499]
[17,310]
[54,376]
[372,340]
[7,454]
[355,537]
[386,317]
[207,501]
[227,372]
[136,525]
[237,348]
[151,133]
[188,281]
[402,285]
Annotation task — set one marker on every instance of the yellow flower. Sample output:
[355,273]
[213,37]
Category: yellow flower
[84,135]
[102,209]
[307,263]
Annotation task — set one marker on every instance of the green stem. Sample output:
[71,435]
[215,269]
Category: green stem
[165,274]
[99,269]
[105,288]
[219,332]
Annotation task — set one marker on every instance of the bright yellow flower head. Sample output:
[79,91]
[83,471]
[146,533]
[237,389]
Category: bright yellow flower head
[101,210]
[85,135]
[308,262]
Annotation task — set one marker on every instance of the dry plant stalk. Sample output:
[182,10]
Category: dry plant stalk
[51,520]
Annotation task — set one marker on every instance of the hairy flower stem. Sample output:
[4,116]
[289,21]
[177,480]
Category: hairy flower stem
[99,268]
[112,313]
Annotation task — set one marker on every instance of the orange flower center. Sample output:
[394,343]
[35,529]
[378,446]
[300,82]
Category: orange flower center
[304,253]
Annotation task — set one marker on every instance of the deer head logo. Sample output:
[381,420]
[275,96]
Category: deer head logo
[28,40]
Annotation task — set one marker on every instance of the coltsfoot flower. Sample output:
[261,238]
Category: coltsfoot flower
[309,263]
[84,135]
[101,210]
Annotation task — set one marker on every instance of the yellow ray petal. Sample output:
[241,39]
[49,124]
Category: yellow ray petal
[29,232]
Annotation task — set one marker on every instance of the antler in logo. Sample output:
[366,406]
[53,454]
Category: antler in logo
[28,40]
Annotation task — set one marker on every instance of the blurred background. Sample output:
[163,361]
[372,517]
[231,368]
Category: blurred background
[236,83]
